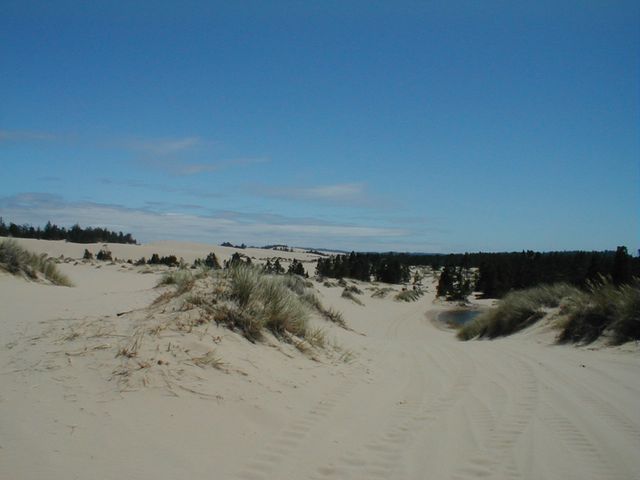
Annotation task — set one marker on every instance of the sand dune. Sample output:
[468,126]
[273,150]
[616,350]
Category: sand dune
[394,397]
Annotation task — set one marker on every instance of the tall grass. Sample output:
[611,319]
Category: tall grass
[182,279]
[603,308]
[16,260]
[516,311]
[263,301]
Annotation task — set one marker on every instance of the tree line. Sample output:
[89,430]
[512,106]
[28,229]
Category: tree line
[388,268]
[495,273]
[75,234]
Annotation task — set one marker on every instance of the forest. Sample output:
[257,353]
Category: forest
[75,234]
[495,273]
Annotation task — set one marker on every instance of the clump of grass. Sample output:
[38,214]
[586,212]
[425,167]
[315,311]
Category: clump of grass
[263,301]
[281,310]
[381,292]
[350,296]
[516,311]
[295,283]
[335,317]
[330,314]
[603,307]
[353,289]
[316,337]
[17,260]
[182,279]
[409,295]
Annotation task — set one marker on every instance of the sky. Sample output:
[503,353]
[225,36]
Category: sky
[356,125]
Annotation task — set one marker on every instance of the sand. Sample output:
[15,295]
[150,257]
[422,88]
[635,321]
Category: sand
[394,397]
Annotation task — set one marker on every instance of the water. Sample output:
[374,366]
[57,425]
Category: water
[458,317]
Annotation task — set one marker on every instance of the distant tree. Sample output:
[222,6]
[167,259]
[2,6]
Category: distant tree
[445,283]
[621,273]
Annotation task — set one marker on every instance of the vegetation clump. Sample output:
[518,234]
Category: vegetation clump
[585,315]
[211,261]
[409,295]
[348,293]
[17,260]
[603,307]
[263,301]
[104,255]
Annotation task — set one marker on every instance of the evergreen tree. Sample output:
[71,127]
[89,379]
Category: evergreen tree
[296,268]
[621,273]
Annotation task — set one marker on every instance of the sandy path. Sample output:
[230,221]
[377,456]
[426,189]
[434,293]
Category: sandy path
[415,403]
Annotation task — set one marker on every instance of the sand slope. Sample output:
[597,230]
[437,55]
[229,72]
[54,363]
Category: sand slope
[409,402]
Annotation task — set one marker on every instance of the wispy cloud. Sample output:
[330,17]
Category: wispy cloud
[25,136]
[338,193]
[183,156]
[191,192]
[160,223]
[165,146]
[195,168]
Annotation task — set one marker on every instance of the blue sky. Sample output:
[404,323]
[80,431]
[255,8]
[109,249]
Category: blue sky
[408,126]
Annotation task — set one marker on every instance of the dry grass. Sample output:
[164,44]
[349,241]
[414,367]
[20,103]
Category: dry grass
[16,260]
[209,359]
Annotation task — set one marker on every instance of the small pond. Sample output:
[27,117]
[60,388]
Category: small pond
[457,317]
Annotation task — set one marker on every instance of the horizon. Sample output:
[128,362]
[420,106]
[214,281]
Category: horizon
[309,249]
[369,127]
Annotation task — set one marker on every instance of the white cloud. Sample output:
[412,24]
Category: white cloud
[147,225]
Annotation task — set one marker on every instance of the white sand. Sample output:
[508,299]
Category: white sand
[412,403]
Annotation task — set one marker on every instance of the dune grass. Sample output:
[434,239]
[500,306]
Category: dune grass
[182,279]
[409,295]
[516,311]
[381,292]
[585,315]
[263,301]
[16,260]
[603,307]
